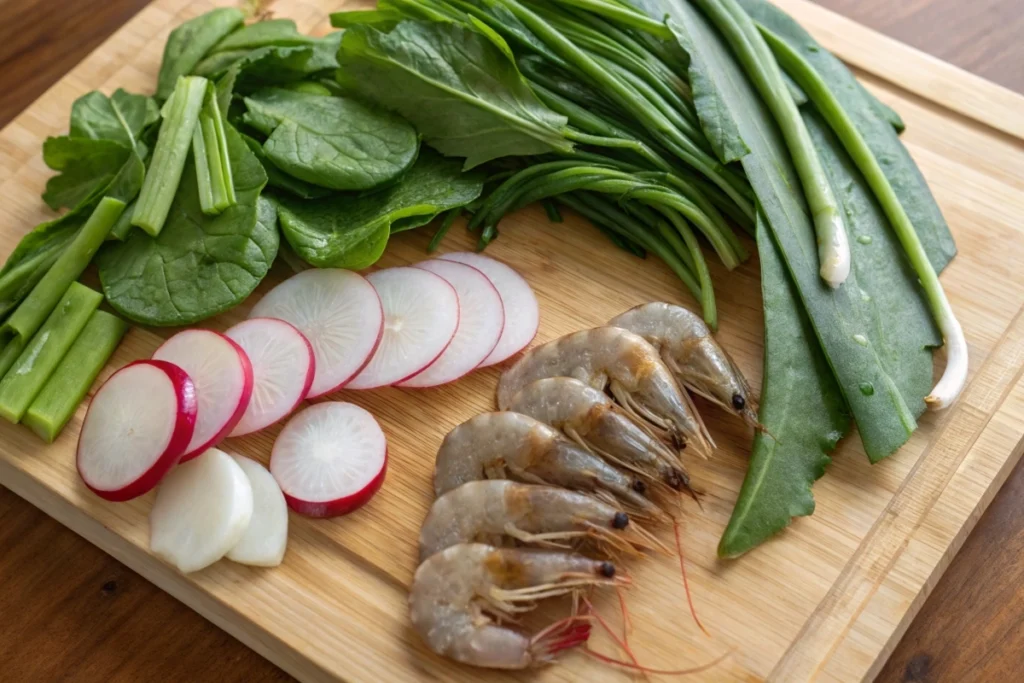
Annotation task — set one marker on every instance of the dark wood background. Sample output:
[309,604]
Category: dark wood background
[69,612]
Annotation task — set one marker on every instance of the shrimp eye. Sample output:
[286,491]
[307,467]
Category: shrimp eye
[620,521]
[738,402]
[639,486]
[607,570]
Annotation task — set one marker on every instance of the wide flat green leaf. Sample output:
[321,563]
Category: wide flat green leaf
[853,336]
[190,42]
[460,90]
[351,231]
[119,118]
[280,180]
[277,32]
[85,166]
[875,121]
[802,411]
[199,265]
[333,142]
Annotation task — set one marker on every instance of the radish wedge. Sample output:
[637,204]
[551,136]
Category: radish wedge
[222,376]
[421,314]
[340,314]
[282,370]
[266,537]
[201,511]
[137,428]
[481,320]
[522,314]
[329,459]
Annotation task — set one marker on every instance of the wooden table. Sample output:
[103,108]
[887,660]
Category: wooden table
[70,612]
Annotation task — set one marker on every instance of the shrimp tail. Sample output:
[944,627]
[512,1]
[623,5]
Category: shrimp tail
[562,635]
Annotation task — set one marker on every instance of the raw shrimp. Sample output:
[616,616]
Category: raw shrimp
[591,419]
[460,595]
[513,446]
[624,363]
[692,354]
[486,511]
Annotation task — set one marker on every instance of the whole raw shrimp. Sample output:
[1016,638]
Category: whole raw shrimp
[591,419]
[624,363]
[513,446]
[487,511]
[460,595]
[692,354]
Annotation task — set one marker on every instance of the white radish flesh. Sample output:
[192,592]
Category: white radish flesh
[340,314]
[265,539]
[481,320]
[421,314]
[282,370]
[137,428]
[222,376]
[201,511]
[522,313]
[329,459]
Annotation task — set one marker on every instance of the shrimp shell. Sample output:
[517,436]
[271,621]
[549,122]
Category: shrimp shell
[513,446]
[457,592]
[624,363]
[591,419]
[486,511]
[693,355]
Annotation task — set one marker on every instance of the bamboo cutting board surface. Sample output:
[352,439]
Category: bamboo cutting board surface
[826,600]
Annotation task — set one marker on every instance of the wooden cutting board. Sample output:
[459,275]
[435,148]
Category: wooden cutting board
[826,600]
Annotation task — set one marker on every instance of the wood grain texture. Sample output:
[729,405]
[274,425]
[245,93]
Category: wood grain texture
[890,529]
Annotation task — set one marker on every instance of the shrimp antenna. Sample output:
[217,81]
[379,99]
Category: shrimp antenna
[659,672]
[686,581]
[621,642]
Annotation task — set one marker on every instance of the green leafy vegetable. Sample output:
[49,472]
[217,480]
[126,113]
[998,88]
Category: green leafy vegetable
[802,411]
[462,91]
[199,265]
[270,32]
[845,323]
[119,118]
[85,165]
[280,180]
[333,142]
[190,42]
[346,231]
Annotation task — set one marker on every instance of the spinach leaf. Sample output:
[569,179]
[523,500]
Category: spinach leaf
[351,231]
[199,265]
[85,165]
[120,118]
[277,178]
[190,42]
[802,411]
[845,321]
[333,142]
[462,91]
[875,122]
[270,32]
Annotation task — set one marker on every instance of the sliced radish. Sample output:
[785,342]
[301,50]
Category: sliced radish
[481,319]
[522,314]
[222,376]
[340,314]
[265,539]
[421,314]
[329,459]
[201,511]
[137,428]
[282,370]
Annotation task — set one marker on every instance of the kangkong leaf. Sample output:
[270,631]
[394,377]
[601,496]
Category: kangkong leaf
[190,42]
[271,32]
[876,123]
[461,91]
[846,323]
[331,141]
[351,231]
[802,411]
[119,118]
[199,265]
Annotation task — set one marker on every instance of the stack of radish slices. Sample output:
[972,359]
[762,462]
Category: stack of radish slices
[159,421]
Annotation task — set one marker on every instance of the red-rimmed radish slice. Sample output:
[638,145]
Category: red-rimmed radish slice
[222,376]
[421,314]
[329,459]
[266,538]
[522,314]
[201,511]
[481,320]
[282,370]
[340,314]
[137,428]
